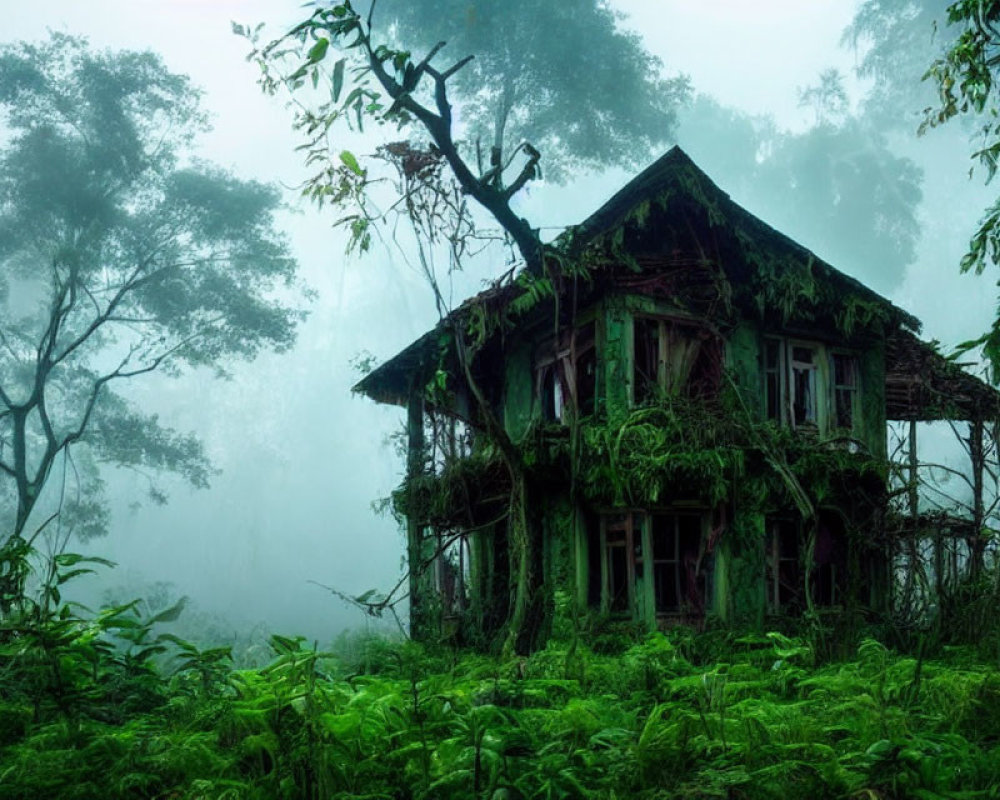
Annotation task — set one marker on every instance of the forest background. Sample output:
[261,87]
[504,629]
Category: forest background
[786,141]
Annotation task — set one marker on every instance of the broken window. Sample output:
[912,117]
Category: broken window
[845,389]
[803,379]
[671,357]
[803,390]
[567,370]
[622,548]
[784,564]
[451,571]
[676,555]
[675,562]
[784,572]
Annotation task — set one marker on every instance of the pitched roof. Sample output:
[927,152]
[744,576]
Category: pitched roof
[675,176]
[673,181]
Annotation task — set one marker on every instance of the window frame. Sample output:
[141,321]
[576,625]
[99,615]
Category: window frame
[835,388]
[633,532]
[558,362]
[665,379]
[781,374]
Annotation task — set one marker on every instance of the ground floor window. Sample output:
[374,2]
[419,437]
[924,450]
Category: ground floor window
[785,582]
[639,559]
[451,565]
[785,563]
[676,550]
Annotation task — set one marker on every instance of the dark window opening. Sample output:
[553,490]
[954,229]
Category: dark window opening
[672,358]
[772,380]
[677,578]
[646,350]
[803,368]
[618,547]
[586,382]
[829,578]
[785,583]
[784,564]
[593,562]
[567,371]
[845,389]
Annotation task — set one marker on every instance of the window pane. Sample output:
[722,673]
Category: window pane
[784,574]
[646,356]
[618,576]
[844,370]
[803,355]
[844,408]
[676,545]
[773,396]
[550,393]
[804,395]
[771,354]
[586,382]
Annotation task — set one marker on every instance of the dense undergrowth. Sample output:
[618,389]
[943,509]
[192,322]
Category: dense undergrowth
[104,706]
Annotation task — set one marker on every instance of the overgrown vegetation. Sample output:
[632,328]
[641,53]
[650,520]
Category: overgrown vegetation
[101,705]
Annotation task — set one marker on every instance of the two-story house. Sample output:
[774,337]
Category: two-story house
[697,407]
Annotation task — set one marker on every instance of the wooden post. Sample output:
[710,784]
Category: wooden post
[914,503]
[977,544]
[414,525]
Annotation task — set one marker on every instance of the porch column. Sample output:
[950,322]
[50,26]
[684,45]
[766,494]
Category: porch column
[976,456]
[414,525]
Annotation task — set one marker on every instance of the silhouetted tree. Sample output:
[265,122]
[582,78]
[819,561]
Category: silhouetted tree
[118,257]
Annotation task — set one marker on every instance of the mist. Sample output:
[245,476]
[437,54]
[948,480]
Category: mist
[301,460]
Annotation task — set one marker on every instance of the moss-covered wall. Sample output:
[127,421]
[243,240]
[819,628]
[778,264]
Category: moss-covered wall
[872,422]
[739,570]
[617,357]
[743,363]
[519,390]
[737,561]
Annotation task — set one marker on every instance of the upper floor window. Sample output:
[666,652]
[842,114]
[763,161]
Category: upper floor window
[567,370]
[806,386]
[672,357]
[845,389]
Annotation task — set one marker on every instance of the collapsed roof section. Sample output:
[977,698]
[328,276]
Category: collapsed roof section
[921,385]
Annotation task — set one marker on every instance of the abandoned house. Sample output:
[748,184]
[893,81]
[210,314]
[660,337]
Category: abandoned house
[686,419]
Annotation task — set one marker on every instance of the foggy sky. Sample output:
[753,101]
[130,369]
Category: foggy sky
[301,458]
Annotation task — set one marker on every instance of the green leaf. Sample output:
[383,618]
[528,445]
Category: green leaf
[69,559]
[170,614]
[338,78]
[349,161]
[318,51]
[184,645]
[65,576]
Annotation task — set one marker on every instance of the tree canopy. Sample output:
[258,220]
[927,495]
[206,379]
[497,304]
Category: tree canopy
[593,100]
[119,256]
[590,95]
[896,40]
[837,186]
[965,77]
